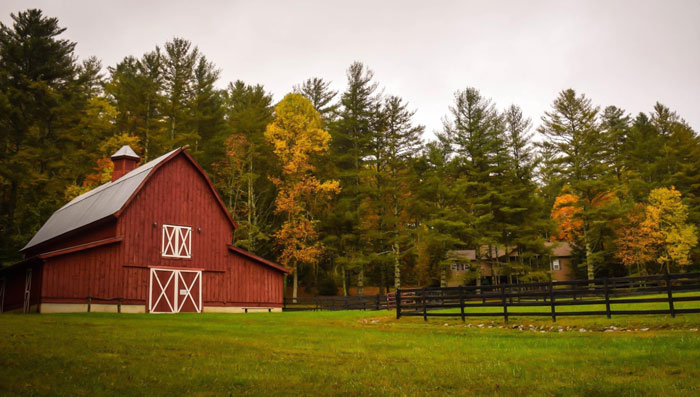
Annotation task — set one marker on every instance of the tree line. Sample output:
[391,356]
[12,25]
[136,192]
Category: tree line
[340,186]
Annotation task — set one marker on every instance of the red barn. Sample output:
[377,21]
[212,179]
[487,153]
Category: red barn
[155,239]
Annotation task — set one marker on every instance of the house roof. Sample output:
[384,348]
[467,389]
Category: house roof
[559,249]
[108,200]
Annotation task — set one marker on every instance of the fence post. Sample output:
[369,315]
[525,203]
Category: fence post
[425,307]
[607,297]
[89,303]
[398,303]
[551,301]
[284,303]
[461,301]
[119,306]
[670,295]
[505,303]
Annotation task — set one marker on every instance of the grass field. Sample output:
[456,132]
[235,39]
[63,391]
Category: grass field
[345,353]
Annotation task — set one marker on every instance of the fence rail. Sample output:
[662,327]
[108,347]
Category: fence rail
[318,303]
[607,292]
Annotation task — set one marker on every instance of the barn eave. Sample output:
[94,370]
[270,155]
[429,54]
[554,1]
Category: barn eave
[258,259]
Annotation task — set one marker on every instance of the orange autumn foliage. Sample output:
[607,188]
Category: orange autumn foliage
[566,212]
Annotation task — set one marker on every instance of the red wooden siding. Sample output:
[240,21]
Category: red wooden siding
[175,195]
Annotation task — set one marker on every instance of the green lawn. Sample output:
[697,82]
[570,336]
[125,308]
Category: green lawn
[346,353]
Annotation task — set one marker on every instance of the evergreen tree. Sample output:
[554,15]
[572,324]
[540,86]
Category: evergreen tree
[351,135]
[524,220]
[44,96]
[318,91]
[243,174]
[475,133]
[571,130]
[400,140]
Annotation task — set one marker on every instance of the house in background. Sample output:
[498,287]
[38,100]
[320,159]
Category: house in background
[560,262]
[156,239]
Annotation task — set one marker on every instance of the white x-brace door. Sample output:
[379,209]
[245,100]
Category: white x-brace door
[175,290]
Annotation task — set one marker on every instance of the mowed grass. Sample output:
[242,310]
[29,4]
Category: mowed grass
[344,353]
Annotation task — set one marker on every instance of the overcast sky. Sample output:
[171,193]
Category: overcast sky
[627,53]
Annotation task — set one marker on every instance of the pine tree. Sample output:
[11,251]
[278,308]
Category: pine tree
[243,174]
[179,62]
[524,223]
[318,91]
[136,90]
[571,129]
[45,95]
[475,133]
[399,141]
[351,135]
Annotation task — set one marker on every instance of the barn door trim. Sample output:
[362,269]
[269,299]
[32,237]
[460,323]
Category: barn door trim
[176,277]
[188,290]
[163,292]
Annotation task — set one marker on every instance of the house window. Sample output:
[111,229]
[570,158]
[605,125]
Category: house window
[177,241]
[556,265]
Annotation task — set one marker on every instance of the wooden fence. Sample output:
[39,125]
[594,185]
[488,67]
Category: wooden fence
[496,300]
[317,303]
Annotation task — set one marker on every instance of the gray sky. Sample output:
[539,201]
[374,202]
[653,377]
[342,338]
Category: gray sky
[626,53]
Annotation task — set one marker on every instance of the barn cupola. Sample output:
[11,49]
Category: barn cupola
[125,160]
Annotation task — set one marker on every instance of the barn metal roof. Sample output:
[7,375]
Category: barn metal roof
[94,205]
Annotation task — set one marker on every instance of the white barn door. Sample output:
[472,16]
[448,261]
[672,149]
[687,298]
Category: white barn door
[175,291]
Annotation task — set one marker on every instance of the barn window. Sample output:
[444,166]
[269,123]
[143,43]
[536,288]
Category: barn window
[177,241]
[556,265]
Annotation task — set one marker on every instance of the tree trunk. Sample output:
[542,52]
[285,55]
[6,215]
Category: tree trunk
[590,269]
[382,279]
[251,202]
[345,283]
[296,284]
[397,266]
[361,281]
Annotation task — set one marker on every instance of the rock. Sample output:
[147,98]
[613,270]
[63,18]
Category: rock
[694,329]
[582,330]
[480,325]
[609,330]
[446,325]
[644,329]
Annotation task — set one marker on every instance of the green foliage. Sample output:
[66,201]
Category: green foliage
[483,184]
[45,104]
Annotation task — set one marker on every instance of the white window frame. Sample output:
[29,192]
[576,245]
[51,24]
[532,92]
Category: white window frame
[176,242]
[556,265]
